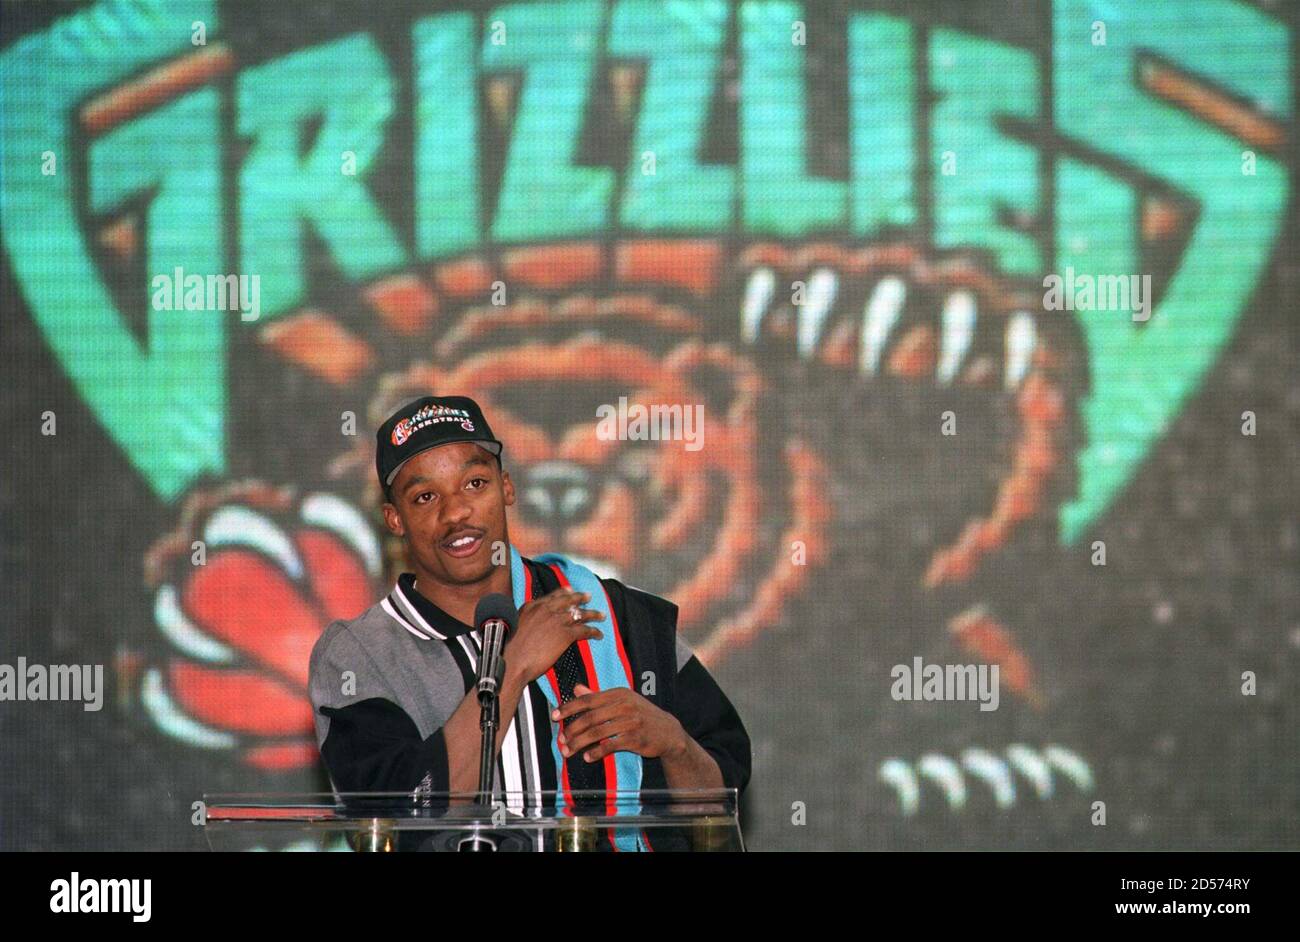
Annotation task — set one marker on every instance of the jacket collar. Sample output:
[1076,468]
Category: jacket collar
[418,615]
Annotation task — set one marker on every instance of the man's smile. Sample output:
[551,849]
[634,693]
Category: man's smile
[463,543]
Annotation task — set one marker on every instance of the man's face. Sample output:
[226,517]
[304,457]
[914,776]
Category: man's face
[449,502]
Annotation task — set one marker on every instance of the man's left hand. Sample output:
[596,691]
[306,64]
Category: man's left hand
[617,720]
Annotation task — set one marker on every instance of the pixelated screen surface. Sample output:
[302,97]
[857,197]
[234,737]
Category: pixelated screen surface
[971,326]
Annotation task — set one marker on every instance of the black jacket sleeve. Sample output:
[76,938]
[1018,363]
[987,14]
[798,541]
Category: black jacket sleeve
[374,746]
[696,699]
[708,716]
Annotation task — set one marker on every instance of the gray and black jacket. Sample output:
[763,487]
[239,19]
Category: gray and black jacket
[384,684]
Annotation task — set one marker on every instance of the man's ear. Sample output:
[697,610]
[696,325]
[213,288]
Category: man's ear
[508,486]
[393,520]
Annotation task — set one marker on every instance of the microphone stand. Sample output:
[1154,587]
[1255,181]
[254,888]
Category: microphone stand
[491,672]
[489,720]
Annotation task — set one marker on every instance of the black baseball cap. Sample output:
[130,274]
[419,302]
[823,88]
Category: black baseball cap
[427,423]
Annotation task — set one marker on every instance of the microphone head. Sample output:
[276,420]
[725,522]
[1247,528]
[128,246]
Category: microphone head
[496,605]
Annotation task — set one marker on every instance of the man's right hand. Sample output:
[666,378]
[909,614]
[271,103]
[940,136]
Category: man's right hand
[546,629]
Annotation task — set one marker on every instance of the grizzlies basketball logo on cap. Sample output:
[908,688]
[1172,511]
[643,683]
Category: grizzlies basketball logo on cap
[427,423]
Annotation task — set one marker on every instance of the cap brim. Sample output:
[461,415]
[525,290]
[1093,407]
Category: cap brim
[493,446]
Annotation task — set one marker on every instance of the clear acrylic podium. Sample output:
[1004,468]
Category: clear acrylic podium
[658,820]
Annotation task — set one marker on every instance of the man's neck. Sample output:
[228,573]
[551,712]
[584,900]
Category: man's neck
[460,601]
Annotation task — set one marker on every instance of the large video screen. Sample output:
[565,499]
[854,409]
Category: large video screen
[979,319]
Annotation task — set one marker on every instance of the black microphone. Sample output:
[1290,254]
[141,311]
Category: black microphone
[495,616]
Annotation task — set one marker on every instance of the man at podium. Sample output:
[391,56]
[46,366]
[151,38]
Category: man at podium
[599,690]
